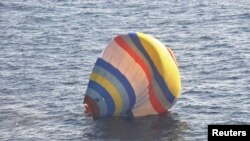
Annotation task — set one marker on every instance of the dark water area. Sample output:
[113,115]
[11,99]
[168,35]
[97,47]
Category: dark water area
[48,48]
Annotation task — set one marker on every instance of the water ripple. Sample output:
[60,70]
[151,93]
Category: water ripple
[48,48]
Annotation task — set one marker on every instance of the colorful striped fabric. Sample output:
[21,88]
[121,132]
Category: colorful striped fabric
[136,75]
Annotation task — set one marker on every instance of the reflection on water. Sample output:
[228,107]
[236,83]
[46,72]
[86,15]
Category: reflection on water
[167,127]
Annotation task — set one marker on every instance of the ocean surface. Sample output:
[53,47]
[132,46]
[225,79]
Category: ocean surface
[48,49]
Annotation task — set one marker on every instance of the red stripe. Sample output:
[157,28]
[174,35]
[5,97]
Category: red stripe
[173,56]
[153,99]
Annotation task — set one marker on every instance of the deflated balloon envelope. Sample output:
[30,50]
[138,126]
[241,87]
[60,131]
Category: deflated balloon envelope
[136,75]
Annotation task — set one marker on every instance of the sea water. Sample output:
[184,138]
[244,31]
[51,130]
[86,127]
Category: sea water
[48,49]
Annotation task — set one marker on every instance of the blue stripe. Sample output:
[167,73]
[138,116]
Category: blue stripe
[130,91]
[104,93]
[157,75]
[118,85]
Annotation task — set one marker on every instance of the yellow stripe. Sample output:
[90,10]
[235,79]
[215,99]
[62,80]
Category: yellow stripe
[163,62]
[106,84]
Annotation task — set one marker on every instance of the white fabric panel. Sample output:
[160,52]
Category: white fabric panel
[120,59]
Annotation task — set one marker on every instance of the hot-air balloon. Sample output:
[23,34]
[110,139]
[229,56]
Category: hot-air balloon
[135,75]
